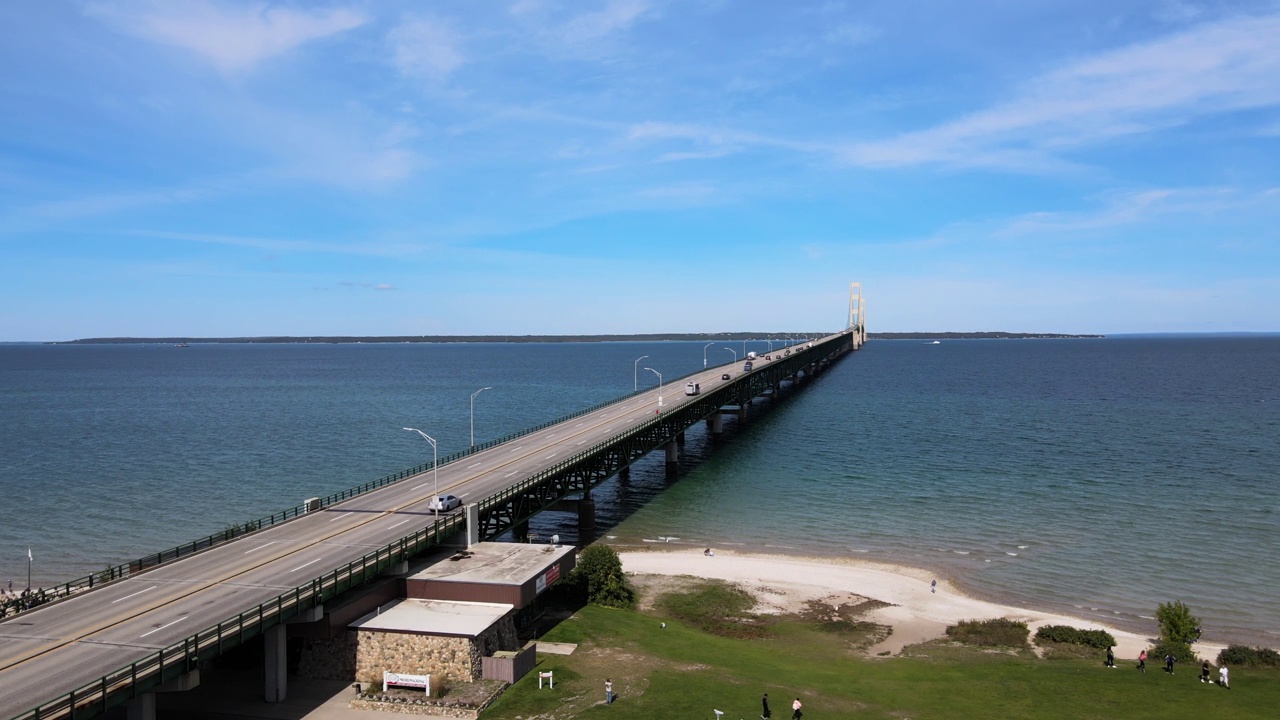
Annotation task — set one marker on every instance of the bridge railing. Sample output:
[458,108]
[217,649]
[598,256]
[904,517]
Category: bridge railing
[182,656]
[233,531]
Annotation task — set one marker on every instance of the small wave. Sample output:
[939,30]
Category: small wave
[960,552]
[1023,547]
[859,550]
[1011,554]
[785,547]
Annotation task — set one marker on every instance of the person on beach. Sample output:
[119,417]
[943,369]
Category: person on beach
[795,710]
[765,712]
[1111,657]
[608,691]
[1222,677]
[1168,663]
[933,586]
[1142,661]
[1204,671]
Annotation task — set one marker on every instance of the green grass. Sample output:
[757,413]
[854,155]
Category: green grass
[683,672]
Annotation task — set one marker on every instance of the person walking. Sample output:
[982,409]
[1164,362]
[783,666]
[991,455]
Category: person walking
[1222,677]
[1204,671]
[1142,661]
[608,691]
[765,712]
[933,586]
[1168,662]
[795,710]
[1111,657]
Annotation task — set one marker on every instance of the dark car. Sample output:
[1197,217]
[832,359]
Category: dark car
[724,376]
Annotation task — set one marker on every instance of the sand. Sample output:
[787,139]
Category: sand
[784,584]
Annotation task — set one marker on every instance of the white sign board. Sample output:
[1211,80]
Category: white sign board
[403,680]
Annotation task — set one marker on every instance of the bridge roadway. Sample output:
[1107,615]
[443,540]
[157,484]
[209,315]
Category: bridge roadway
[48,652]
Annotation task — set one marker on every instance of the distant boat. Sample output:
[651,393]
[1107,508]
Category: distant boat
[936,342]
[182,345]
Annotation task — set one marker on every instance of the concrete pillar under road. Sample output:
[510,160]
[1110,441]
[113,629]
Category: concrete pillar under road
[716,421]
[625,473]
[680,438]
[142,707]
[742,412]
[276,677]
[520,531]
[473,524]
[586,516]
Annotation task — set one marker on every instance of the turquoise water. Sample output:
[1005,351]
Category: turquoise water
[1099,477]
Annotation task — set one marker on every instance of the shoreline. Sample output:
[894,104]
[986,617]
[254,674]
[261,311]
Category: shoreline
[785,583]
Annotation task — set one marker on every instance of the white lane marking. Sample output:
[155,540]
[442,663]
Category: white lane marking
[578,425]
[313,562]
[581,442]
[341,516]
[549,456]
[473,466]
[519,448]
[126,597]
[418,487]
[509,474]
[464,495]
[246,552]
[393,527]
[551,436]
[175,622]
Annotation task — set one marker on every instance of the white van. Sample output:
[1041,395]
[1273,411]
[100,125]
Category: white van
[692,388]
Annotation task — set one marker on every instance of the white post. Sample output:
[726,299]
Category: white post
[655,372]
[704,354]
[473,413]
[635,373]
[435,464]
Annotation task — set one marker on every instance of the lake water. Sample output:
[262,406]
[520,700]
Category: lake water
[1099,477]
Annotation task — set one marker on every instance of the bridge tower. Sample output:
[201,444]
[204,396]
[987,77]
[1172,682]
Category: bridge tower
[857,314]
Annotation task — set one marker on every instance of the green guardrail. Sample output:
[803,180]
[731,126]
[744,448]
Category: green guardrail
[182,656]
[178,658]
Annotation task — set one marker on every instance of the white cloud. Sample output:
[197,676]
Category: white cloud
[617,15]
[1216,68]
[425,48]
[233,38]
[1133,207]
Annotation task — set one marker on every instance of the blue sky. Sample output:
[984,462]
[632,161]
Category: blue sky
[212,168]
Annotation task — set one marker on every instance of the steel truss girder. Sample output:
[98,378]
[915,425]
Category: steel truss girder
[583,472]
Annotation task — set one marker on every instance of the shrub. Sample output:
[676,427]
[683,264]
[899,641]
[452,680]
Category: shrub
[599,573]
[1001,632]
[1245,656]
[1182,652]
[1066,634]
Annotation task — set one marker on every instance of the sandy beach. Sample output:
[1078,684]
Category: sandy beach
[784,584]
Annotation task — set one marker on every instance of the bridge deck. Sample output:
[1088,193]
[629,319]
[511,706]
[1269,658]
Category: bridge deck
[50,651]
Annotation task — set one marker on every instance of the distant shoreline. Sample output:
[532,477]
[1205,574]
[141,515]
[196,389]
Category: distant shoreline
[648,337]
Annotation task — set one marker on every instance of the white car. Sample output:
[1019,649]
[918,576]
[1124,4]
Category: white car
[444,503]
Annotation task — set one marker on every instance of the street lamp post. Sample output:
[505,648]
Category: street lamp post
[635,372]
[704,354]
[655,372]
[770,345]
[735,353]
[473,413]
[435,466]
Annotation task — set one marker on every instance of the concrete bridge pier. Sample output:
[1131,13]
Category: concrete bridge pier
[742,412]
[680,438]
[143,707]
[715,421]
[520,531]
[276,677]
[586,517]
[673,455]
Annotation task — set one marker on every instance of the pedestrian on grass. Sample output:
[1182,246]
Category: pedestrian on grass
[608,691]
[1142,661]
[795,710]
[1168,663]
[1222,677]
[765,712]
[1111,657]
[1204,671]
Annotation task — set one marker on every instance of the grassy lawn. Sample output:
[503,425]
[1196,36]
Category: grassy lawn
[682,672]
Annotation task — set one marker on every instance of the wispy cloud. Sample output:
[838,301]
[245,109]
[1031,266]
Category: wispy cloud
[231,37]
[425,48]
[1139,206]
[1215,68]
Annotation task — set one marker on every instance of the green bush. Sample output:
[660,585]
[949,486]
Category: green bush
[1066,634]
[999,632]
[599,574]
[1245,656]
[1182,652]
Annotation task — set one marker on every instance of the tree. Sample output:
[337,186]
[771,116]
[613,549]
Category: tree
[599,571]
[1177,624]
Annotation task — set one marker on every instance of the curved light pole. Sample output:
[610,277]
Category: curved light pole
[704,354]
[735,353]
[655,372]
[770,345]
[473,413]
[635,372]
[435,466]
